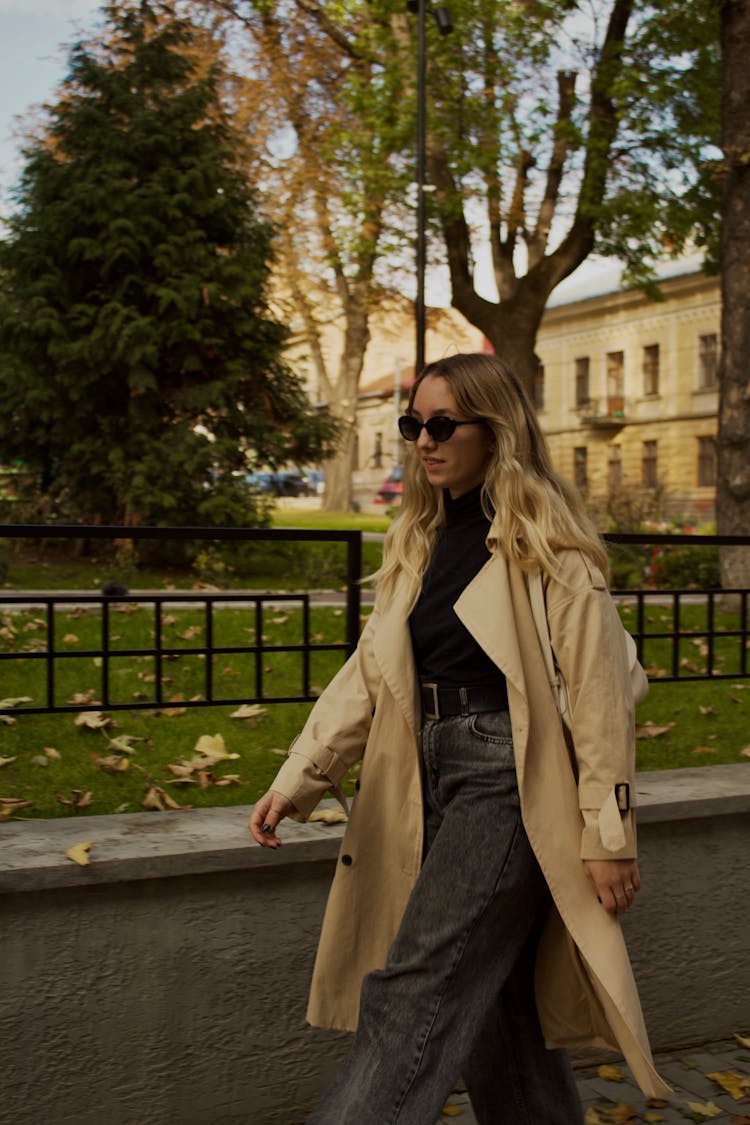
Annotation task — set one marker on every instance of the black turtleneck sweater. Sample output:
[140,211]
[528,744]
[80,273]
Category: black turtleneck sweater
[444,650]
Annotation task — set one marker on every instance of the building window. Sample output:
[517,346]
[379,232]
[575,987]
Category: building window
[583,367]
[615,383]
[649,464]
[539,387]
[377,456]
[651,369]
[614,467]
[580,467]
[707,462]
[708,358]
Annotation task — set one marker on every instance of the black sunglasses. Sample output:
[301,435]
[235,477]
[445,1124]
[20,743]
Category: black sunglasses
[439,428]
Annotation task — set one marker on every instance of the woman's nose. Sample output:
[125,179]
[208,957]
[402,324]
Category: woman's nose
[424,440]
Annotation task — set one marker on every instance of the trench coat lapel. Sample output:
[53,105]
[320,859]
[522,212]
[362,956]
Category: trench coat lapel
[486,609]
[393,652]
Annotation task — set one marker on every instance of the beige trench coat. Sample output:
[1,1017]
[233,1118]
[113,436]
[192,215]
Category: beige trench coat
[586,993]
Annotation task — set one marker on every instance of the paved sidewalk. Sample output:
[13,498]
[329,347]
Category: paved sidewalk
[617,1100]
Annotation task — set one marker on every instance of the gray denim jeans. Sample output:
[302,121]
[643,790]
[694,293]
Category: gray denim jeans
[456,996]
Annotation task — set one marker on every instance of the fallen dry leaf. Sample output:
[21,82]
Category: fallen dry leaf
[735,1084]
[611,1073]
[621,1113]
[709,710]
[212,748]
[15,701]
[743,1040]
[79,853]
[123,743]
[11,805]
[704,749]
[653,1117]
[249,711]
[650,730]
[159,800]
[180,771]
[71,639]
[8,720]
[745,753]
[52,754]
[329,816]
[92,720]
[450,1111]
[40,760]
[6,762]
[172,712]
[81,799]
[190,632]
[592,1117]
[112,764]
[704,1109]
[82,697]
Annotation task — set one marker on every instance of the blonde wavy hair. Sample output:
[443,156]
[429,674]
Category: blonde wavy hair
[535,511]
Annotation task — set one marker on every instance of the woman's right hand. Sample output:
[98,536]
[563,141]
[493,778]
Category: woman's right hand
[267,815]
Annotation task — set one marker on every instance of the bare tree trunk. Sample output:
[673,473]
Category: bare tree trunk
[337,496]
[733,445]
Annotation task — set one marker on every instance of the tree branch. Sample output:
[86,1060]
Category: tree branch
[537,240]
[603,122]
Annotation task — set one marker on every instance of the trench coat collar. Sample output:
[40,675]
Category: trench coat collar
[486,609]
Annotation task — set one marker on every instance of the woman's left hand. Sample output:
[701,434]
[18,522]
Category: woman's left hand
[616,882]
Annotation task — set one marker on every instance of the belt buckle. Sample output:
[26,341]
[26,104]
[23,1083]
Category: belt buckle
[435,713]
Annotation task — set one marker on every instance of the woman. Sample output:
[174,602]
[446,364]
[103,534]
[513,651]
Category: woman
[481,852]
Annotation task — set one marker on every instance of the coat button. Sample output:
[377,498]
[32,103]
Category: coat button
[346,860]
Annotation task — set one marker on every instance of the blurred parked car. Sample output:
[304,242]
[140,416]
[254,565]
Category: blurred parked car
[391,490]
[315,481]
[288,482]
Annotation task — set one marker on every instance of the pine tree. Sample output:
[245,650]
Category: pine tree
[140,368]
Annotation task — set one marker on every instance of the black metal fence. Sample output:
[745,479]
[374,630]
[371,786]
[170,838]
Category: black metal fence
[684,634]
[688,633]
[257,605]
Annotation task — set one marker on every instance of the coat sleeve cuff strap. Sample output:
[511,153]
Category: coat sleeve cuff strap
[328,763]
[612,801]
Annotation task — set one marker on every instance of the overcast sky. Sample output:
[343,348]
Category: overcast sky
[33,35]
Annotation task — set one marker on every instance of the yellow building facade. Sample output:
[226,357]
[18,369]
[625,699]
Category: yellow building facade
[628,392]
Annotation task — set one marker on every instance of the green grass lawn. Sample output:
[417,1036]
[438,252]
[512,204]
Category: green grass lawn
[66,769]
[119,763]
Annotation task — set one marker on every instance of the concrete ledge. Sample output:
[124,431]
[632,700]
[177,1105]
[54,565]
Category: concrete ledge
[706,791]
[135,846]
[165,983]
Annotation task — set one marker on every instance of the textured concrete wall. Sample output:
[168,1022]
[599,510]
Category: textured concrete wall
[165,984]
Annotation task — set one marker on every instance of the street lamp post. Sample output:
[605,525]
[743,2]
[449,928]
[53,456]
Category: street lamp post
[443,21]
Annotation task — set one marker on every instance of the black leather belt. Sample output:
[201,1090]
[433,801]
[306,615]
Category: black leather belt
[437,702]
